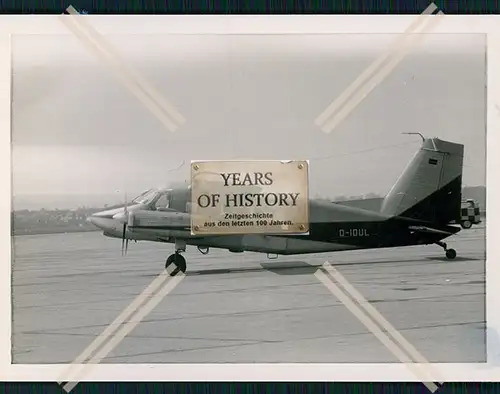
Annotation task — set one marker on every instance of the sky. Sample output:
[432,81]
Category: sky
[76,130]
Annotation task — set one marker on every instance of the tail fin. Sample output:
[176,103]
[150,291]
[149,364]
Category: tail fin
[430,188]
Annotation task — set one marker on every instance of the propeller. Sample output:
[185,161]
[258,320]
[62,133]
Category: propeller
[124,216]
[127,218]
[125,222]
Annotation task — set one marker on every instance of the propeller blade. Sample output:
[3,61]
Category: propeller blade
[123,236]
[125,240]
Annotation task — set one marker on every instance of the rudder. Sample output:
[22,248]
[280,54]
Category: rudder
[430,188]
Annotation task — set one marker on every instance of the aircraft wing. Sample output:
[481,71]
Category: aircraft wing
[429,230]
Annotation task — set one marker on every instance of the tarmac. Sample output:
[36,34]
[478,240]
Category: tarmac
[244,308]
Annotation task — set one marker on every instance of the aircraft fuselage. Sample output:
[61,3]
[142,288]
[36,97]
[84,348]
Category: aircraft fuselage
[333,227]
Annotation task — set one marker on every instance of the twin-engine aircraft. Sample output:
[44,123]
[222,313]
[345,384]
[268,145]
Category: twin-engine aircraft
[418,210]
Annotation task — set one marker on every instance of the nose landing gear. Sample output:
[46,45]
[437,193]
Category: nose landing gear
[177,259]
[179,262]
[450,253]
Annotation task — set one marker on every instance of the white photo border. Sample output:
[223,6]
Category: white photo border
[250,24]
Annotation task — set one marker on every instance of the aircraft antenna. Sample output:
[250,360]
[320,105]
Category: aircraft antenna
[421,136]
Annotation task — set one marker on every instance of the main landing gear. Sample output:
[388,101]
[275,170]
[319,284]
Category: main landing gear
[450,253]
[177,259]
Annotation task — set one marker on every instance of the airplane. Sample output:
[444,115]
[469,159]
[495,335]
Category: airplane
[418,210]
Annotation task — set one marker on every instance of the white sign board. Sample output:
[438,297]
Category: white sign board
[249,197]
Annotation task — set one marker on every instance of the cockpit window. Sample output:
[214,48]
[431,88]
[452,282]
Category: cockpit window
[163,202]
[146,197]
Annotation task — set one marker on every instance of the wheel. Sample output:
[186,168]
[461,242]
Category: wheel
[466,224]
[179,262]
[451,254]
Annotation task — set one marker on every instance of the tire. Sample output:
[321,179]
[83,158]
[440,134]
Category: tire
[451,254]
[179,262]
[466,224]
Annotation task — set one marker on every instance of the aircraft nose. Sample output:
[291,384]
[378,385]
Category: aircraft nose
[99,219]
[94,219]
[106,220]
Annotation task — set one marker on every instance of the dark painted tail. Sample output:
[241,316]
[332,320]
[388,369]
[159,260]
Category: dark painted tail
[430,188]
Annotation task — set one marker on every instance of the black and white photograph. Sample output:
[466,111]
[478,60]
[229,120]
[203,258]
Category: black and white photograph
[104,131]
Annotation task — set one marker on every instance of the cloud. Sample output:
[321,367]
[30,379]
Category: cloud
[243,97]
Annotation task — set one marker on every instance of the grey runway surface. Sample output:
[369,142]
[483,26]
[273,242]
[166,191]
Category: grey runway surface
[68,288]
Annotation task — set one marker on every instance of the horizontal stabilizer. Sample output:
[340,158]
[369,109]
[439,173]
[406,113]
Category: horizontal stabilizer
[424,229]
